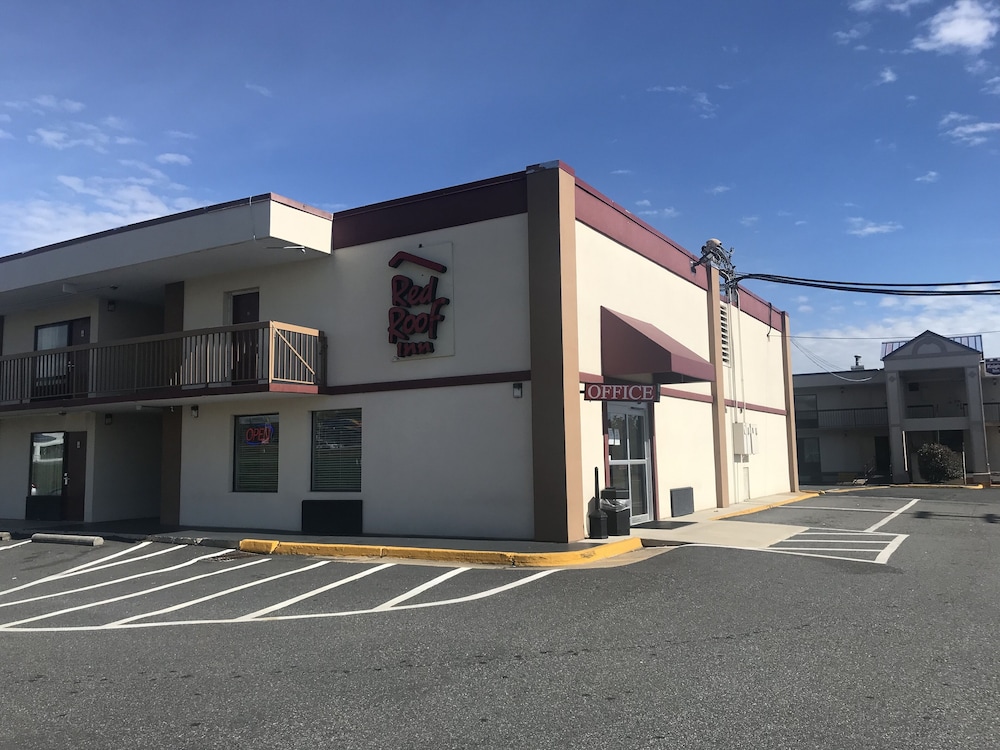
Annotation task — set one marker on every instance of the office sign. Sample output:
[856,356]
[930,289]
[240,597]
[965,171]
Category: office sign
[612,392]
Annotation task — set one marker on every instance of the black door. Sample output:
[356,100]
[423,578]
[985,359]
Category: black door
[74,476]
[61,374]
[246,344]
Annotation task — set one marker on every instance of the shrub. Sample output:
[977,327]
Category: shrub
[938,463]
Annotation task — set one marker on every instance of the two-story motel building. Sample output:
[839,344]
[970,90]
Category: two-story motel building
[443,365]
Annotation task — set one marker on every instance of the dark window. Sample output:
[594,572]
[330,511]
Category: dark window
[336,451]
[255,464]
[806,415]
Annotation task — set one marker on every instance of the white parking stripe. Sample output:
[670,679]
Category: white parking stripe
[126,551]
[314,615]
[314,592]
[890,548]
[842,532]
[891,516]
[217,594]
[73,571]
[481,594]
[824,549]
[94,569]
[823,507]
[47,615]
[114,581]
[16,544]
[419,589]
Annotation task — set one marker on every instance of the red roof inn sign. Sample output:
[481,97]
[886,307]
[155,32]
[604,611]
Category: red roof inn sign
[416,308]
[609,392]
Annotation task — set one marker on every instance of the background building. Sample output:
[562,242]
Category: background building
[931,389]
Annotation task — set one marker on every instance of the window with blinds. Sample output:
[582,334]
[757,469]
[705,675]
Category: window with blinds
[255,464]
[336,451]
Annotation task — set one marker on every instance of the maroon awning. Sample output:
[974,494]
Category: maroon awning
[632,349]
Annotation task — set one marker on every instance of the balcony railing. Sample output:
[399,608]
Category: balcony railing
[168,364]
[842,419]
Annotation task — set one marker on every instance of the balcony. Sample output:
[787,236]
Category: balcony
[842,419]
[245,358]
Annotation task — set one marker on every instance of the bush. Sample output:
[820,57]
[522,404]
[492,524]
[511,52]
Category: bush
[939,463]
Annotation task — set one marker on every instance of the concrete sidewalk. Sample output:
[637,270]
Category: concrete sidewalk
[702,527]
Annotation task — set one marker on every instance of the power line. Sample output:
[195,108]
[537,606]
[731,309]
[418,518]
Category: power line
[917,290]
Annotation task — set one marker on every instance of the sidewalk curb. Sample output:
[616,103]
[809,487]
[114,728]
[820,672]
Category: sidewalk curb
[87,541]
[759,508]
[478,557]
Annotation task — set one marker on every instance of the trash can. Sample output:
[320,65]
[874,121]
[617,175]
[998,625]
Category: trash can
[615,503]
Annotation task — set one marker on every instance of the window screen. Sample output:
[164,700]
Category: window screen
[336,451]
[255,465]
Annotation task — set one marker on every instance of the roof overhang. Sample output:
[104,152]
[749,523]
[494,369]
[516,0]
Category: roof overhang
[634,350]
[136,262]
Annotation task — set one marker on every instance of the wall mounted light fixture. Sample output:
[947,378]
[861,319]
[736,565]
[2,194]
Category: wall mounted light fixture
[107,419]
[194,411]
[518,390]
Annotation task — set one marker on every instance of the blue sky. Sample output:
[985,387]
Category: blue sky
[852,140]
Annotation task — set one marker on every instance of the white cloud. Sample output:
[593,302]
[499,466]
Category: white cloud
[800,223]
[718,190]
[262,90]
[700,101]
[63,105]
[992,86]
[5,135]
[900,319]
[860,227]
[952,117]
[181,135]
[115,123]
[749,221]
[621,171]
[968,133]
[931,176]
[899,6]
[91,205]
[4,117]
[853,34]
[643,203]
[174,159]
[77,134]
[886,76]
[662,213]
[965,26]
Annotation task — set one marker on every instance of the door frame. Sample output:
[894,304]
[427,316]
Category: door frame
[627,408]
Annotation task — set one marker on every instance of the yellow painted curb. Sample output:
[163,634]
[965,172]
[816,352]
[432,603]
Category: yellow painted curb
[477,557]
[260,546]
[759,508]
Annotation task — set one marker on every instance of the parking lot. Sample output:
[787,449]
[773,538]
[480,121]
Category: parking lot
[62,588]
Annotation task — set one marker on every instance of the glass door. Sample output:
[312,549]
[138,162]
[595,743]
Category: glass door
[629,457]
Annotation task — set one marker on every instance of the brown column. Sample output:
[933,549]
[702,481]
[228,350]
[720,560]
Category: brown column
[555,361]
[720,440]
[793,453]
[170,459]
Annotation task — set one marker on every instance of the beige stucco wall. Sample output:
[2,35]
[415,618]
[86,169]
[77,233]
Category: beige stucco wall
[15,455]
[439,461]
[684,456]
[19,328]
[760,379]
[126,467]
[348,297]
[611,275]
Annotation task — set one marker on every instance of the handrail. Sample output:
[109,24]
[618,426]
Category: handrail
[243,354]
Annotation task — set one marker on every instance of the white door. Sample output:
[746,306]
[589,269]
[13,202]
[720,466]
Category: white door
[629,456]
